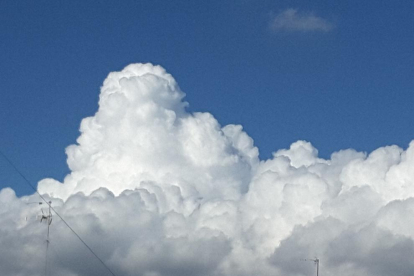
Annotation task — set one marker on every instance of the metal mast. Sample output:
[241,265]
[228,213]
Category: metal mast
[316,261]
[48,219]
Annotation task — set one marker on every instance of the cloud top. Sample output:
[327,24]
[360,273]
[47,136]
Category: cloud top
[142,133]
[291,20]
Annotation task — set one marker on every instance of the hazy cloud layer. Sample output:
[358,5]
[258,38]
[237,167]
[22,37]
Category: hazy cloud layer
[158,191]
[291,20]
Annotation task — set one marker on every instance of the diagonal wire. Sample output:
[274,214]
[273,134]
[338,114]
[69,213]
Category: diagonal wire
[64,221]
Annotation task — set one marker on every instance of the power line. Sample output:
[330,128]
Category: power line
[50,206]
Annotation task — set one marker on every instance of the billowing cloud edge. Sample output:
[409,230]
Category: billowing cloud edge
[156,190]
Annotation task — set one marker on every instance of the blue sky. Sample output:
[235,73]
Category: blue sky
[336,73]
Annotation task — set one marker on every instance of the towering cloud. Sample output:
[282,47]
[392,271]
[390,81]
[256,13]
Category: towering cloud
[157,191]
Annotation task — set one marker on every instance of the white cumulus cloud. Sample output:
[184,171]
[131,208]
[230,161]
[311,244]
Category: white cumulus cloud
[158,191]
[291,20]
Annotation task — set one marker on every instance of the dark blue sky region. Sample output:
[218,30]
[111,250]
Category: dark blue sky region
[336,73]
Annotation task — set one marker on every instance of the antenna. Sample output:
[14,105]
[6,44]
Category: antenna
[48,219]
[316,261]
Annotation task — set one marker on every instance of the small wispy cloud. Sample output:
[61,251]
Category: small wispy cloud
[291,20]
